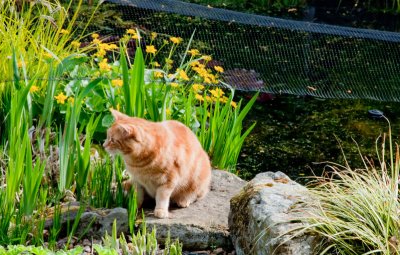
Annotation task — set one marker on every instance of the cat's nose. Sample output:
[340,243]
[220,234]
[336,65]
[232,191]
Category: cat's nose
[105,144]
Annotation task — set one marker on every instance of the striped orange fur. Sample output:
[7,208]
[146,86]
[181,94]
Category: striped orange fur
[163,159]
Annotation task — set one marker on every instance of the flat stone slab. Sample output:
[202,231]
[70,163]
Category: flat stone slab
[204,223]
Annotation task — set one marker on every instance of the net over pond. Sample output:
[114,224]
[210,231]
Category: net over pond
[275,55]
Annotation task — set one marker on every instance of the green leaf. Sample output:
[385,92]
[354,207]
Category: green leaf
[137,91]
[107,121]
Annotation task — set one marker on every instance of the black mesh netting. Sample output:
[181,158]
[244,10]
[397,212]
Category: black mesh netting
[279,56]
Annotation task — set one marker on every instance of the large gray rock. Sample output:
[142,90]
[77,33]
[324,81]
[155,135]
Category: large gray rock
[204,223]
[261,216]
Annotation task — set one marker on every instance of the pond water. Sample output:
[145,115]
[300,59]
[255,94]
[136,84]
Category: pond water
[296,135]
[300,135]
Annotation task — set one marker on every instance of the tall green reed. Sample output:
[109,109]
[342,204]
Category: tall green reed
[33,176]
[105,184]
[84,158]
[220,131]
[101,184]
[20,168]
[69,140]
[133,83]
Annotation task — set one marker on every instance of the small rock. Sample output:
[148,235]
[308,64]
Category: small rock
[69,196]
[86,242]
[62,242]
[87,249]
[218,251]
[96,241]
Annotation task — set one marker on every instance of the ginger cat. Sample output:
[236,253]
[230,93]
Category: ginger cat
[163,159]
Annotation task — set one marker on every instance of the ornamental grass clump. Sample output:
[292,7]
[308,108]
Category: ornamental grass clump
[357,211]
[38,31]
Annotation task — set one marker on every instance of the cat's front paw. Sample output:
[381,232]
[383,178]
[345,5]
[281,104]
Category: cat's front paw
[161,213]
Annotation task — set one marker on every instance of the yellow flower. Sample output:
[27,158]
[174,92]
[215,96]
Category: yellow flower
[153,35]
[156,64]
[194,52]
[183,75]
[106,47]
[100,53]
[158,75]
[96,41]
[223,99]
[95,36]
[135,36]
[71,100]
[200,70]
[117,83]
[174,84]
[217,92]
[207,58]
[34,89]
[168,111]
[209,99]
[64,32]
[169,61]
[20,64]
[131,31]
[199,97]
[197,87]
[151,49]
[194,63]
[104,66]
[75,44]
[61,98]
[233,104]
[112,46]
[219,69]
[176,40]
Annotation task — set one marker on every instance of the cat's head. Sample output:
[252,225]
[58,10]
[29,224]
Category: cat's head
[123,136]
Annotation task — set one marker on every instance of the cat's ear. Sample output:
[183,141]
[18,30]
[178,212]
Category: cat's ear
[118,115]
[129,131]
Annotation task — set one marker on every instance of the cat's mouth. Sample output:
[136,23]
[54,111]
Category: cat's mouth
[106,146]
[111,151]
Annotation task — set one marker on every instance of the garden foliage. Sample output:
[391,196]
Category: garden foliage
[55,101]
